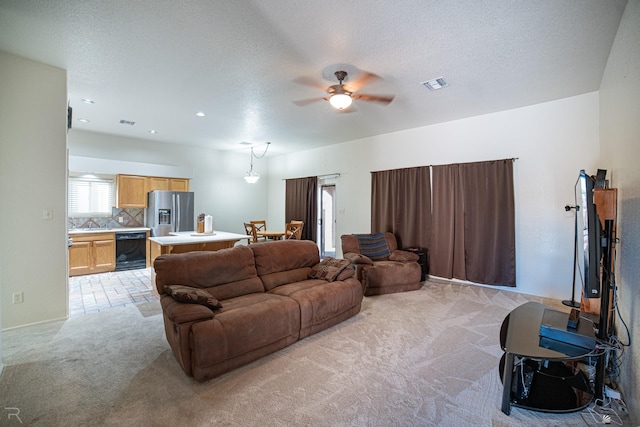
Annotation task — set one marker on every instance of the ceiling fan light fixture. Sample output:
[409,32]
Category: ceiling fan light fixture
[340,101]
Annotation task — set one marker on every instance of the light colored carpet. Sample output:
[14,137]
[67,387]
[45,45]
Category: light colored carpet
[421,358]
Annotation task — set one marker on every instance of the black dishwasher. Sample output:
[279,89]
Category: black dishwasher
[131,250]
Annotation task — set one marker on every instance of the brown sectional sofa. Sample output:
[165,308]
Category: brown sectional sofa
[268,302]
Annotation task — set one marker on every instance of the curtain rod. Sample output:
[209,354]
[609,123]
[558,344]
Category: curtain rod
[513,159]
[325,176]
[329,176]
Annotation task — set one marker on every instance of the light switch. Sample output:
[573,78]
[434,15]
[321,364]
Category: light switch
[47,213]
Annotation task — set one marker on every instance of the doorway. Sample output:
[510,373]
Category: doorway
[327,221]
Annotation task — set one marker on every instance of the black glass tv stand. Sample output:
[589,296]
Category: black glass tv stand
[536,375]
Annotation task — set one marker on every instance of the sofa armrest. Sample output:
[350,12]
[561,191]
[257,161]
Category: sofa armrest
[403,256]
[355,258]
[179,312]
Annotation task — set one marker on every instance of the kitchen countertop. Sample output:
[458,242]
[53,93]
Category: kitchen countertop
[106,230]
[188,237]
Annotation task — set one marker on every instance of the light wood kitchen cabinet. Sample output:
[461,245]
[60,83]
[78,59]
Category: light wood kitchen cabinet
[179,184]
[157,183]
[131,191]
[92,253]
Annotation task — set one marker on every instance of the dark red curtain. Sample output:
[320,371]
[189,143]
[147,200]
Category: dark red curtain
[301,204]
[401,204]
[474,222]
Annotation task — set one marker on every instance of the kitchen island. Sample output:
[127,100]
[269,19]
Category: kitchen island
[190,241]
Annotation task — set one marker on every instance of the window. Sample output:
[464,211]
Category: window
[90,195]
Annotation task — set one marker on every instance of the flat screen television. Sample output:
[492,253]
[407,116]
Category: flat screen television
[588,238]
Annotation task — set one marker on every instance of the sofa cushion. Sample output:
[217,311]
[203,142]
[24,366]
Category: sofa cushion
[403,256]
[244,325]
[284,261]
[355,258]
[322,303]
[192,296]
[226,273]
[328,269]
[373,246]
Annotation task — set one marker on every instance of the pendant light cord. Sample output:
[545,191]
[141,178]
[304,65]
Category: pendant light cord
[263,154]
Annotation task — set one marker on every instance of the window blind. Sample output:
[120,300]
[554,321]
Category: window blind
[90,196]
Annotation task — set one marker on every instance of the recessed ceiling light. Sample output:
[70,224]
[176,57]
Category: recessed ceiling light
[153,131]
[88,101]
[84,120]
[200,114]
[435,84]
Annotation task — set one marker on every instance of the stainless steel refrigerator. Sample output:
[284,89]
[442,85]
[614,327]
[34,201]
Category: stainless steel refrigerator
[170,211]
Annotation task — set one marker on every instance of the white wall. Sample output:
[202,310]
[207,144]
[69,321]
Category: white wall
[33,251]
[620,136]
[552,142]
[216,176]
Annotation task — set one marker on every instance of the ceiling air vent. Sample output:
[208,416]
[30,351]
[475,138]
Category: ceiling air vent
[127,122]
[435,84]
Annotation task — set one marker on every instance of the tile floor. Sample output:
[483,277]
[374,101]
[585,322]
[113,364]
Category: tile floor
[99,292]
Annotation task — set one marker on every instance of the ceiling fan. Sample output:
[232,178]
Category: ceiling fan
[341,96]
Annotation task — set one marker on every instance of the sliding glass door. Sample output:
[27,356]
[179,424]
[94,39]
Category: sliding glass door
[328,221]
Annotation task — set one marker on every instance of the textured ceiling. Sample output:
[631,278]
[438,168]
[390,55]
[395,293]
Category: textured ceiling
[159,62]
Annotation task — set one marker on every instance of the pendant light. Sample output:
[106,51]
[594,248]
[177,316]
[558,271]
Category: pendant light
[252,176]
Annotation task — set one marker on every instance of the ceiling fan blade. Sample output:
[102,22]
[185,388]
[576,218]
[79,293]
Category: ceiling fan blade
[303,102]
[363,79]
[308,81]
[385,99]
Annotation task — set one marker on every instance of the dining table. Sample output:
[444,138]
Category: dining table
[271,234]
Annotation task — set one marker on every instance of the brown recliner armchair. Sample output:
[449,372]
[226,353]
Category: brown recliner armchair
[380,267]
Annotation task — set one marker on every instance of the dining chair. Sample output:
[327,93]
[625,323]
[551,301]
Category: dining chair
[251,231]
[261,224]
[293,230]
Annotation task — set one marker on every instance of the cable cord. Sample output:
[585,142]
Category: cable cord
[602,412]
[617,309]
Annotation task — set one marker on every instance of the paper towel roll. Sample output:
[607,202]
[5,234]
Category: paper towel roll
[208,224]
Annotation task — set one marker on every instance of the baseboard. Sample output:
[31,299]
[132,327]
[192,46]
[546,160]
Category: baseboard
[60,319]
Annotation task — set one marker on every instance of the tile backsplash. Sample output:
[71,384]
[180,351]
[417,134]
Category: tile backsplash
[119,218]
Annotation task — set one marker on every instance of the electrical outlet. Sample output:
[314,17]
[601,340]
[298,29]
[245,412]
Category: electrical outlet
[120,219]
[18,297]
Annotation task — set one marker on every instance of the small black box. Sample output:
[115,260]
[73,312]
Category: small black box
[554,327]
